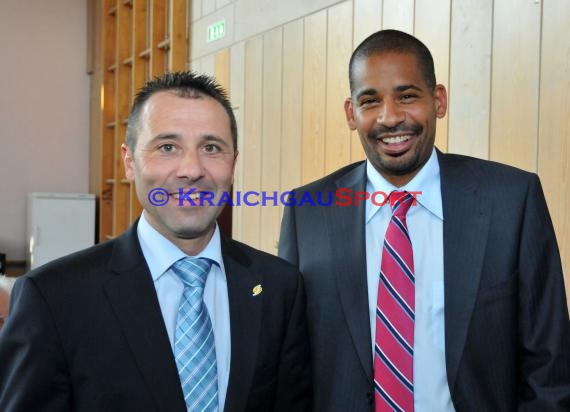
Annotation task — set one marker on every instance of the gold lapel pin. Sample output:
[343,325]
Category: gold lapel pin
[257,290]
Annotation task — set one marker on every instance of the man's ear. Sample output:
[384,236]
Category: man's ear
[349,113]
[128,162]
[440,98]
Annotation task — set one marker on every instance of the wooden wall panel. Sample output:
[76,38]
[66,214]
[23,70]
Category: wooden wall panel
[398,14]
[271,138]
[207,65]
[292,107]
[178,35]
[196,66]
[196,9]
[430,14]
[554,126]
[470,77]
[237,93]
[140,70]
[337,140]
[222,68]
[121,188]
[356,150]
[514,83]
[252,153]
[158,35]
[139,75]
[367,19]
[108,108]
[314,96]
[96,67]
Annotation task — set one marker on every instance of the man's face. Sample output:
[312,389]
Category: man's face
[183,143]
[395,113]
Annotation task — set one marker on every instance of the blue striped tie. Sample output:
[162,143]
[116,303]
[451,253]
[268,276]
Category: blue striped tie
[194,348]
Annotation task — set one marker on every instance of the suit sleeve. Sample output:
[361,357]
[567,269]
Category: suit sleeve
[544,324]
[294,392]
[287,247]
[32,366]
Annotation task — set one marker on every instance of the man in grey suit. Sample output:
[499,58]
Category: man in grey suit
[126,326]
[489,325]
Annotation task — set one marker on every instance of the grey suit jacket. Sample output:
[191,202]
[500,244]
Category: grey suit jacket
[507,332]
[85,333]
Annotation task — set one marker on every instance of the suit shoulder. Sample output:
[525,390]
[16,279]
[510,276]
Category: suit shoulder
[489,171]
[329,179]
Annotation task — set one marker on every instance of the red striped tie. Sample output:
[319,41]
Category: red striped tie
[395,307]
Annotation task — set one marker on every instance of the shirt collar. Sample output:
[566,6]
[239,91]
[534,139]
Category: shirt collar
[427,182]
[160,253]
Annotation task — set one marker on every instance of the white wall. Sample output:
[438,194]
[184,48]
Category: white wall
[44,108]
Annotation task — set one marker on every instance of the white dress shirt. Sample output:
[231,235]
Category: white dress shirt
[160,254]
[425,226]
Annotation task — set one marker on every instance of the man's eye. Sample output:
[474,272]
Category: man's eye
[166,148]
[211,148]
[369,101]
[407,97]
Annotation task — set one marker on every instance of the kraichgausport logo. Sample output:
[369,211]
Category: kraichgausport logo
[341,197]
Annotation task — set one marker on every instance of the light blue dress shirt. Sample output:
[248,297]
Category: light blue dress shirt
[160,254]
[425,226]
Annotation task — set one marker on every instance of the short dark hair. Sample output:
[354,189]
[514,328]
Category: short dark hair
[182,84]
[386,41]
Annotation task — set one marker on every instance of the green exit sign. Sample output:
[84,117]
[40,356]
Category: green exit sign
[217,30]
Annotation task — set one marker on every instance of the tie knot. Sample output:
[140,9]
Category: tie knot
[192,271]
[400,202]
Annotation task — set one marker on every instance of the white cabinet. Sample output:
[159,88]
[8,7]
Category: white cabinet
[58,224]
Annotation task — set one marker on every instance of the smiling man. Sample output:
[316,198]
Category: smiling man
[170,316]
[453,303]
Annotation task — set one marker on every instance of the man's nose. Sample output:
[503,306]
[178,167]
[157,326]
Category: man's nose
[191,166]
[391,114]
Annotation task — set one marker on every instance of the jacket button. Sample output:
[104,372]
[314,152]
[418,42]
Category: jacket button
[370,398]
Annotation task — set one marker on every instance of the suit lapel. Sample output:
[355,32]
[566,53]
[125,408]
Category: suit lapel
[245,321]
[133,297]
[346,232]
[466,219]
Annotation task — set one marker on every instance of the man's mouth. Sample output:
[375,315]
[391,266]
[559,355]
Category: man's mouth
[396,139]
[193,195]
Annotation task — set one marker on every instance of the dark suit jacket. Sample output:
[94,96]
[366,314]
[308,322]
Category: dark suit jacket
[507,333]
[85,333]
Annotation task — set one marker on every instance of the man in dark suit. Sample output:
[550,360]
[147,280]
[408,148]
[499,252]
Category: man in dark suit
[488,314]
[114,327]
